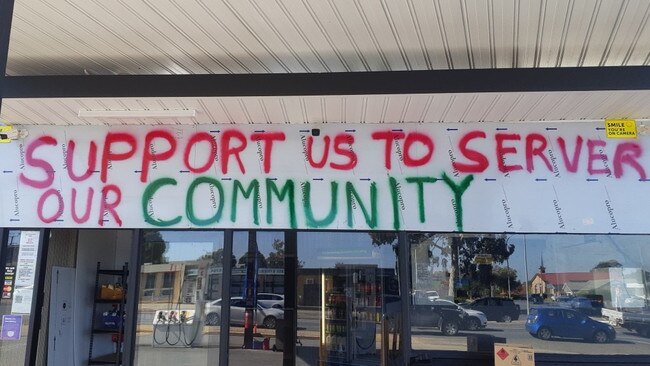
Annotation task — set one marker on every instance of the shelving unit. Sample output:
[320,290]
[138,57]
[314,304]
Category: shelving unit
[337,331]
[119,276]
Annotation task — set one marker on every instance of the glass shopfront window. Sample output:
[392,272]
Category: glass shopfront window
[559,293]
[580,296]
[175,324]
[348,299]
[257,302]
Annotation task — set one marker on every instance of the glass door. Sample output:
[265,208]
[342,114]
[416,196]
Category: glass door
[179,296]
[348,298]
[258,325]
[20,256]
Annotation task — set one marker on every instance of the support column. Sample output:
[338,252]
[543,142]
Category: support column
[226,275]
[403,255]
[290,297]
[132,297]
[251,288]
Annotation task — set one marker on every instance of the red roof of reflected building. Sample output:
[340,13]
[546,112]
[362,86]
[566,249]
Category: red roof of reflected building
[564,277]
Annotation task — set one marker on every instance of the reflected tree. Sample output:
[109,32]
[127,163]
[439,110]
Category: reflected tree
[612,263]
[154,248]
[384,239]
[480,275]
[502,275]
[217,258]
[428,251]
[261,260]
[454,253]
[276,258]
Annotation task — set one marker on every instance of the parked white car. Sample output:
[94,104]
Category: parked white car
[270,300]
[264,316]
[432,295]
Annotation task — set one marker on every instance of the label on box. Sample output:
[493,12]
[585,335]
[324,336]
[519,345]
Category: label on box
[512,354]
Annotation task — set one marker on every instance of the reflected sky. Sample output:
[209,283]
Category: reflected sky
[191,245]
[326,249]
[578,253]
[560,252]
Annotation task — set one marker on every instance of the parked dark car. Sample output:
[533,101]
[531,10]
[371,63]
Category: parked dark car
[498,309]
[438,315]
[586,306]
[425,313]
[536,299]
[474,319]
[553,322]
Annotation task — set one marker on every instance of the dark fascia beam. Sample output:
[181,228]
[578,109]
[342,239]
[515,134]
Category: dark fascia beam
[351,83]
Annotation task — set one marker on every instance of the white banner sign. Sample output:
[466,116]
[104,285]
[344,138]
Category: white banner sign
[533,177]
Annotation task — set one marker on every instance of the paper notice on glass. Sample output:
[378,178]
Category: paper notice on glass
[22,303]
[513,354]
[27,255]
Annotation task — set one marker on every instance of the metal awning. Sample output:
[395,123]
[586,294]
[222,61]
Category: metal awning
[320,38]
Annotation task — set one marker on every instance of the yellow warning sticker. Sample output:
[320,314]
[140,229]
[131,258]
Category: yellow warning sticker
[511,354]
[4,137]
[620,128]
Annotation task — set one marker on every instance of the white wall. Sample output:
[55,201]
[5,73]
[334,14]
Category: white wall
[112,248]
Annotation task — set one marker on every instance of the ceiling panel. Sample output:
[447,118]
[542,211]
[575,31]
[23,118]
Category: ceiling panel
[354,108]
[450,17]
[553,29]
[461,107]
[261,36]
[295,36]
[432,35]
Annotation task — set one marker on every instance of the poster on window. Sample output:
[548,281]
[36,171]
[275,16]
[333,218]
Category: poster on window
[11,327]
[25,272]
[27,255]
[22,303]
[8,284]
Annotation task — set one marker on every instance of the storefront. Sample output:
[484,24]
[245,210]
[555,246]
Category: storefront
[309,182]
[330,245]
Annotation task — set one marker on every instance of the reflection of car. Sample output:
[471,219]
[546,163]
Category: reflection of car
[447,319]
[500,309]
[564,301]
[586,306]
[432,295]
[549,322]
[420,297]
[474,320]
[264,316]
[536,299]
[271,300]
